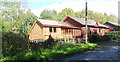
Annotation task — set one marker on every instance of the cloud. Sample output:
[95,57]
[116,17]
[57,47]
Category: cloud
[96,6]
[104,7]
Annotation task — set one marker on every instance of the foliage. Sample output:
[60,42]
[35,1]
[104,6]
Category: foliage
[6,59]
[15,18]
[113,33]
[60,16]
[50,42]
[112,36]
[53,15]
[105,42]
[4,26]
[65,12]
[94,38]
[13,43]
[28,22]
[104,38]
[59,50]
[15,22]
[109,36]
[48,14]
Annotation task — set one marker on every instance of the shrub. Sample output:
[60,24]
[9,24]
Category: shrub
[113,35]
[6,59]
[94,38]
[104,38]
[13,43]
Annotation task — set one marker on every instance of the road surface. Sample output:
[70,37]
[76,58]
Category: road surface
[109,51]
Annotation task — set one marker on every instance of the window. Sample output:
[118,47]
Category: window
[95,31]
[100,30]
[52,29]
[66,32]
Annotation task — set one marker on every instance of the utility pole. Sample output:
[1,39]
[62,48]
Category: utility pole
[86,17]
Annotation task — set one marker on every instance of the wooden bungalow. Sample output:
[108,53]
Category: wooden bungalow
[42,29]
[112,26]
[71,27]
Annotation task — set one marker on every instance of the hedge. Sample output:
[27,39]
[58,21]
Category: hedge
[113,33]
[109,36]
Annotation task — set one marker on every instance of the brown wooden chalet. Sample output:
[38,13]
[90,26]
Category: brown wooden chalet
[113,26]
[71,27]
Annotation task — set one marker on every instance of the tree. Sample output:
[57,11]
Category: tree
[28,22]
[53,15]
[16,22]
[97,16]
[10,13]
[48,14]
[65,12]
[15,16]
[80,14]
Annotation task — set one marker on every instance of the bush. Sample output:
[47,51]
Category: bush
[113,35]
[94,38]
[6,59]
[13,43]
[49,42]
[104,38]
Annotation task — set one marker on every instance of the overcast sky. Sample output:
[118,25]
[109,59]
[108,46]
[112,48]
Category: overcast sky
[104,6]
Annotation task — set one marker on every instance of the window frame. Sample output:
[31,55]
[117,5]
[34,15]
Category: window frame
[100,30]
[52,29]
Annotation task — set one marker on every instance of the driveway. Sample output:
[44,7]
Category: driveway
[109,51]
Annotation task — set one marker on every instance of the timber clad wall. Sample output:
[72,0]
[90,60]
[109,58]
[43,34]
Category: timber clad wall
[39,32]
[55,35]
[36,32]
[72,33]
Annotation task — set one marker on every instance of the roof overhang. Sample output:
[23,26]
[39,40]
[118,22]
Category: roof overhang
[61,26]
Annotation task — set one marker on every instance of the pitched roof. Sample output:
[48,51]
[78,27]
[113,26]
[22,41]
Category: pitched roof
[89,22]
[52,22]
[115,24]
[56,23]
